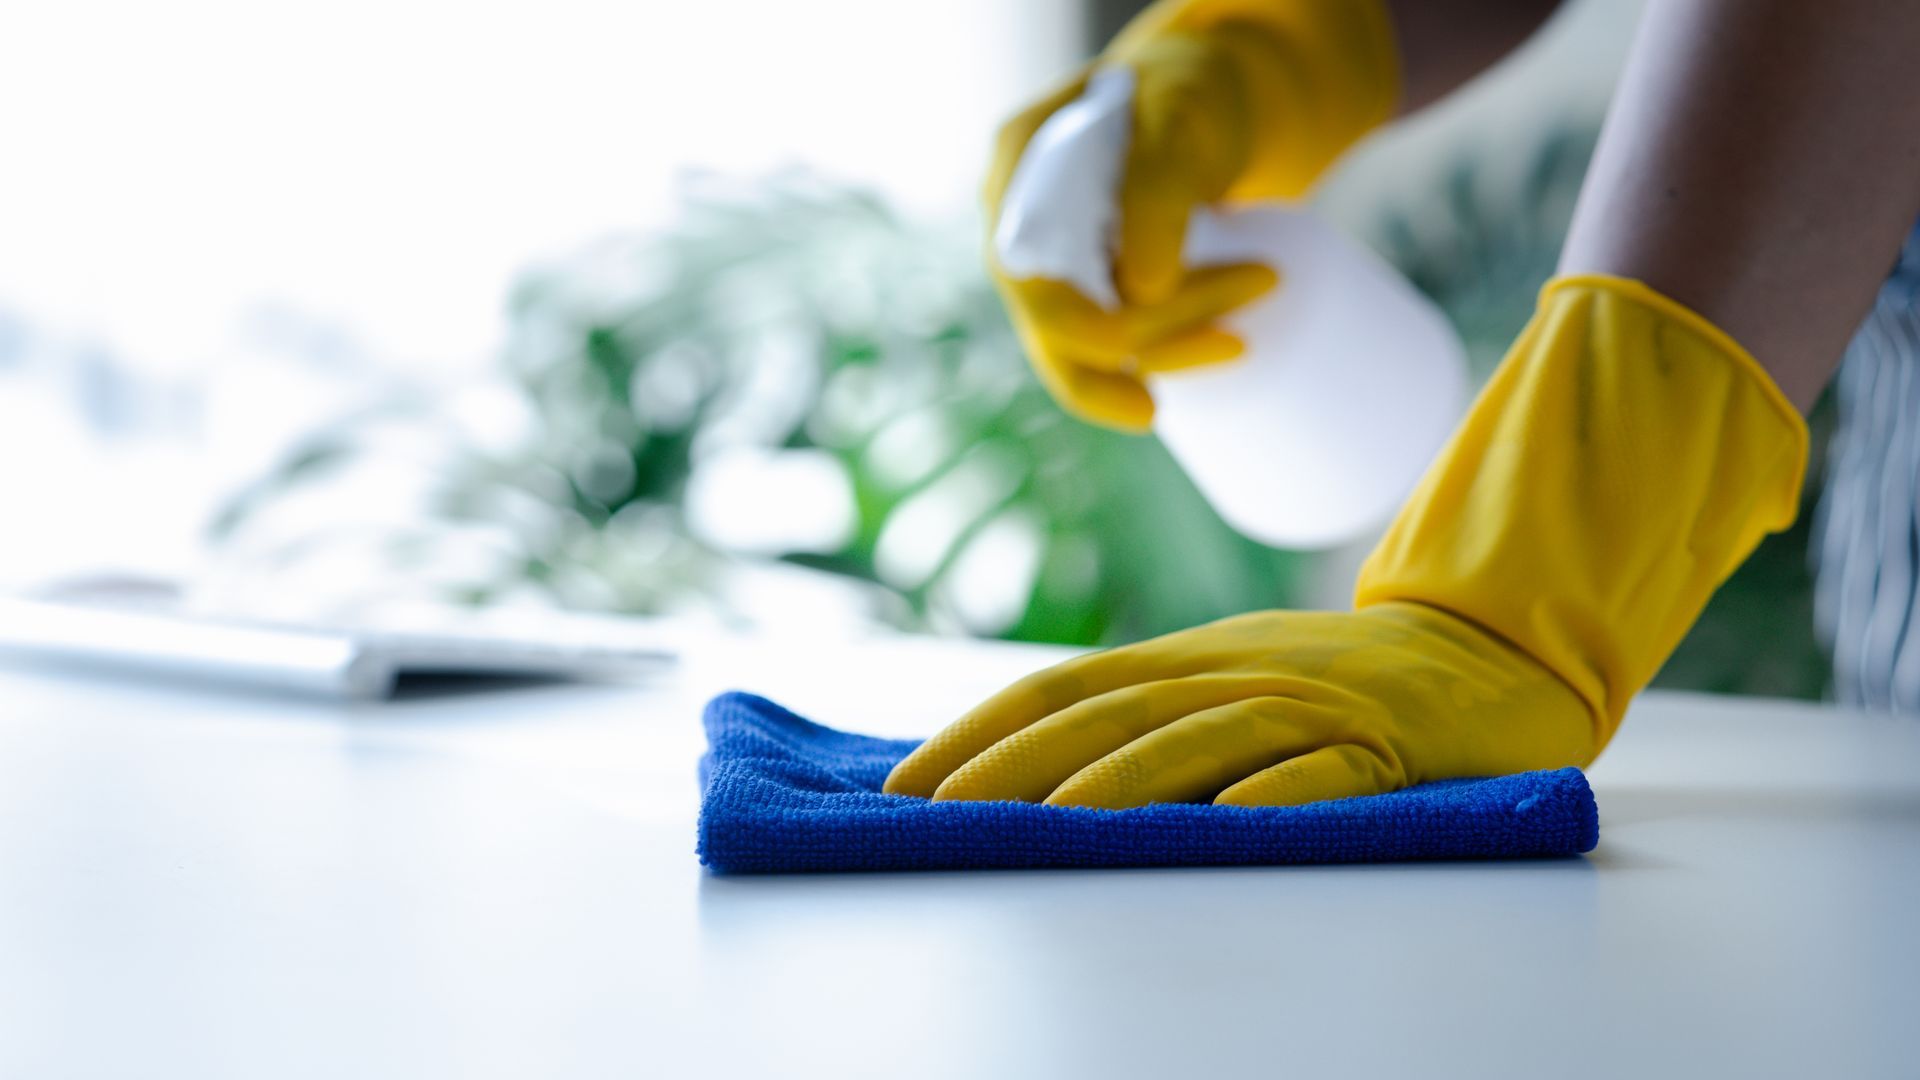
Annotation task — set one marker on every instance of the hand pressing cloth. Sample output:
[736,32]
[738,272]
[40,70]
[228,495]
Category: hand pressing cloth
[783,794]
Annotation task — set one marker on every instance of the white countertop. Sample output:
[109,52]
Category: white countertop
[204,884]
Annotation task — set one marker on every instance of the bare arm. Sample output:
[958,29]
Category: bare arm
[1442,45]
[1761,164]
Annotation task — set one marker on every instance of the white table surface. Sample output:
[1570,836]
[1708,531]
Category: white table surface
[204,884]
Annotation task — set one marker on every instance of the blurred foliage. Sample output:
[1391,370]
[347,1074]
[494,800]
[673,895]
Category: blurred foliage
[793,320]
[1483,242]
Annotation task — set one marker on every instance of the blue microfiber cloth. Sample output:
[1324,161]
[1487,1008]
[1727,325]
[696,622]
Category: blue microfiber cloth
[784,794]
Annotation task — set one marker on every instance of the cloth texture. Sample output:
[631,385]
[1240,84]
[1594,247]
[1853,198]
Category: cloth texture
[783,794]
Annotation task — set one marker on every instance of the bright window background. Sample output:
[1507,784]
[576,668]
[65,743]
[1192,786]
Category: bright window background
[221,221]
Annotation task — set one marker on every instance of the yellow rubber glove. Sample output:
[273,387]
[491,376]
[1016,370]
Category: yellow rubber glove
[1626,457]
[1233,100]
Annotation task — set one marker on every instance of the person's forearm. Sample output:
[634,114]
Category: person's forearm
[1760,165]
[1444,44]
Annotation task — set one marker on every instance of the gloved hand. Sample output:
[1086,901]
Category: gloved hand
[1626,457]
[1233,100]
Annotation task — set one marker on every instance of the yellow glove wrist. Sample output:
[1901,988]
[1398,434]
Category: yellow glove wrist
[1624,460]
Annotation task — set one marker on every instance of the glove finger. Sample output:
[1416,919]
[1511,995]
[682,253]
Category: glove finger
[1075,348]
[1032,762]
[1185,150]
[1110,400]
[1196,348]
[1030,700]
[1195,758]
[1057,320]
[1331,772]
[1204,295]
[1155,204]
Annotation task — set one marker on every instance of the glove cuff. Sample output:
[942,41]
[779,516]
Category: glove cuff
[1319,75]
[1624,460]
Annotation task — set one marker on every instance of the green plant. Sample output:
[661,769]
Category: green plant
[804,322]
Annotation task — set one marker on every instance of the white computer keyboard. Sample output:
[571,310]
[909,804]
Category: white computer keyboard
[134,630]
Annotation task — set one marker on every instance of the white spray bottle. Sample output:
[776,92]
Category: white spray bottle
[1352,379]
